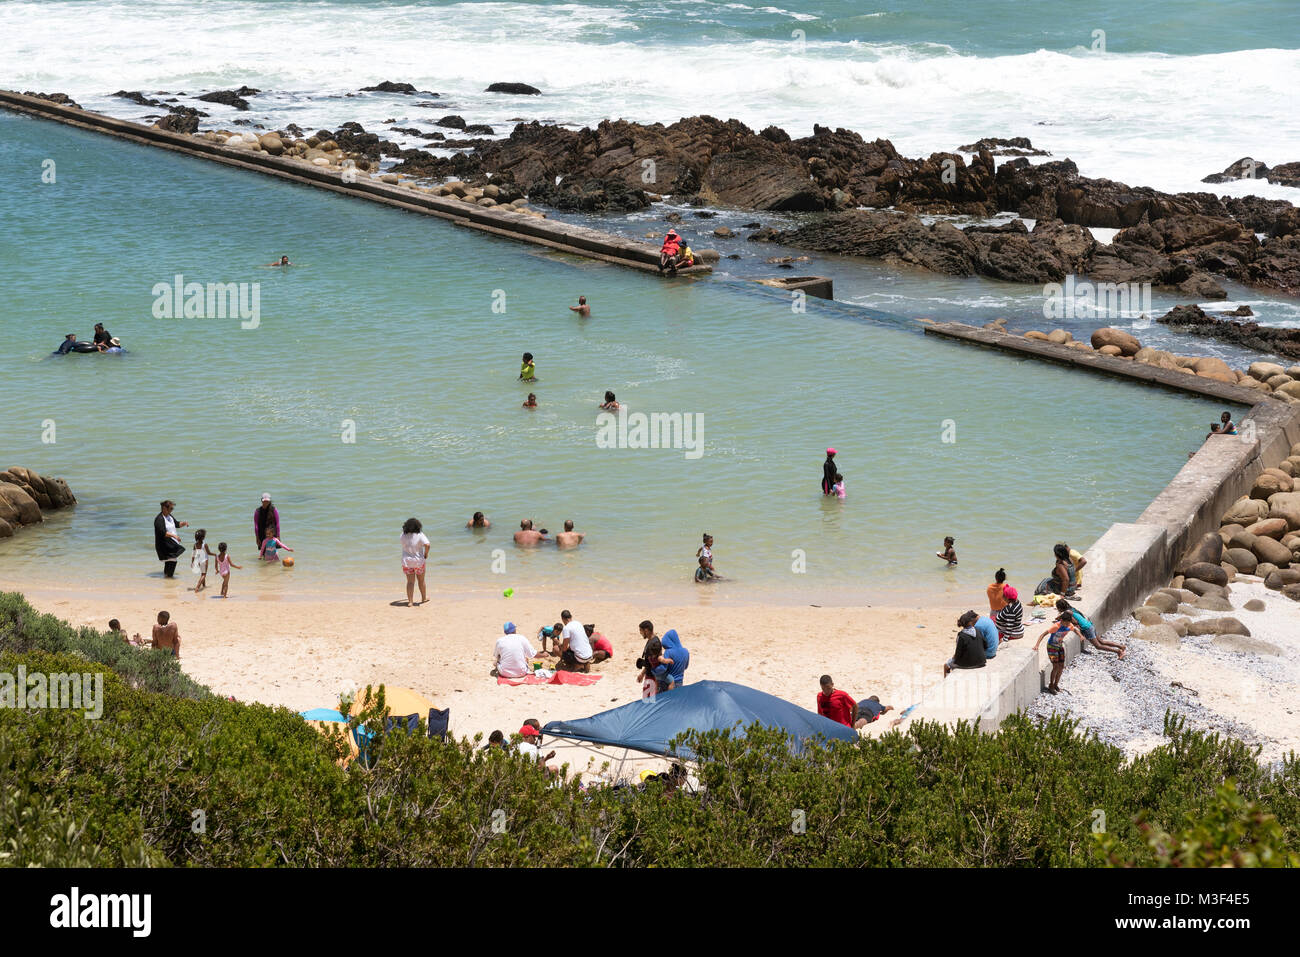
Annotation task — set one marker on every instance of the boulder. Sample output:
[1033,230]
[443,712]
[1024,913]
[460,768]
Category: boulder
[1270,483]
[1230,569]
[1227,531]
[1156,357]
[1189,610]
[1244,644]
[1166,603]
[1277,381]
[1286,507]
[1212,603]
[1110,351]
[1255,604]
[1212,367]
[1059,336]
[1148,615]
[1277,580]
[1264,370]
[1159,634]
[1124,342]
[272,143]
[1241,539]
[1202,587]
[1242,559]
[1290,389]
[1292,592]
[1205,572]
[1217,626]
[1178,594]
[1245,511]
[1181,625]
[1272,551]
[22,507]
[1269,528]
[517,89]
[1208,549]
[1264,569]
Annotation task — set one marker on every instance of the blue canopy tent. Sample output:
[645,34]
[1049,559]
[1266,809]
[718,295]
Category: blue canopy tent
[649,725]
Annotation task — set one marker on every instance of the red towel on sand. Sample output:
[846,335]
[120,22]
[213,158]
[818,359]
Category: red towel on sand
[559,678]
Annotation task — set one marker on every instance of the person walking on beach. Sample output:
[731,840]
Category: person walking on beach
[266,520]
[166,539]
[166,635]
[829,471]
[415,552]
[199,561]
[224,564]
[581,308]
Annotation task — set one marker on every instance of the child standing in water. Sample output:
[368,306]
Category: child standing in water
[532,401]
[527,369]
[704,556]
[199,559]
[949,554]
[224,564]
[269,546]
[838,487]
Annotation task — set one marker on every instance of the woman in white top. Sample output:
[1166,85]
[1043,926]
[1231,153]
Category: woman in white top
[415,551]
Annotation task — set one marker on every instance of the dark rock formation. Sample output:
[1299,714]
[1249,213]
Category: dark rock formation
[1251,335]
[452,122]
[135,96]
[589,196]
[24,494]
[60,98]
[411,131]
[388,86]
[480,129]
[1244,168]
[519,89]
[995,145]
[181,119]
[353,138]
[233,98]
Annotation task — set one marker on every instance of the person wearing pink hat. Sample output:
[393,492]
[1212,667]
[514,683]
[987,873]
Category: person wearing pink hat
[829,470]
[1010,618]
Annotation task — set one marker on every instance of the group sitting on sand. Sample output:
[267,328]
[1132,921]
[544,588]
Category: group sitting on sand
[577,646]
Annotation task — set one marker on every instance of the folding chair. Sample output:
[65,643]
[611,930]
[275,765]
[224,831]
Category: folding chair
[439,722]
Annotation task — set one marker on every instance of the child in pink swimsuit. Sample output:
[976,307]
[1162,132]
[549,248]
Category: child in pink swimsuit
[224,564]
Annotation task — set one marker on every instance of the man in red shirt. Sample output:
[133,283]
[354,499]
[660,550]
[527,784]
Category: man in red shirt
[836,705]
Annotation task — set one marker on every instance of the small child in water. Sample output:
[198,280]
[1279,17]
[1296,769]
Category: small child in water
[704,557]
[199,560]
[527,368]
[224,564]
[269,546]
[610,404]
[949,554]
[532,401]
[838,487]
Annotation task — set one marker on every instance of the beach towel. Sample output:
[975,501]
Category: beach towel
[559,678]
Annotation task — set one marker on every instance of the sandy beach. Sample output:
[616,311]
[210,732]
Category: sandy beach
[302,652]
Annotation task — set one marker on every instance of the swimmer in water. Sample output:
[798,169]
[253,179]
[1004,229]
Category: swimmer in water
[532,401]
[581,308]
[478,521]
[284,261]
[528,369]
[949,554]
[609,405]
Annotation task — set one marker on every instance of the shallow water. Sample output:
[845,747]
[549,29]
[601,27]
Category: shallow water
[388,324]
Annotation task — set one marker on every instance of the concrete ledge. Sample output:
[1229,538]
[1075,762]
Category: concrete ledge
[499,221]
[1095,362]
[1125,565]
[988,694]
[820,286]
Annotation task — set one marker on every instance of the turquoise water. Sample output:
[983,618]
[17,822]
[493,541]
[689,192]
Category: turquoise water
[388,323]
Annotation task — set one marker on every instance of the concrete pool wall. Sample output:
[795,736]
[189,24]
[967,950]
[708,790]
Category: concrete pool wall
[1130,560]
[563,237]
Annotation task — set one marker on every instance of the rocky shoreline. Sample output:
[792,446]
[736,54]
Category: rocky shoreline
[871,197]
[24,495]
